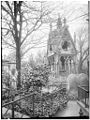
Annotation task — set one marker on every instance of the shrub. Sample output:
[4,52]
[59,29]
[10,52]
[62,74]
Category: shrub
[36,76]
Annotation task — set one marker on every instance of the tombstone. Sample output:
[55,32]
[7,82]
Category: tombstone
[14,78]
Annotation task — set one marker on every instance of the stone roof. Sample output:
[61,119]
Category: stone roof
[56,36]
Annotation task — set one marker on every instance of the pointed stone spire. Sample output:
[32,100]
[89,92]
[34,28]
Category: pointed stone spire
[50,26]
[59,23]
[74,38]
[65,21]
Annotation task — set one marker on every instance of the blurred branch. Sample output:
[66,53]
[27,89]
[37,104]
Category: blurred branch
[9,8]
[2,7]
[9,44]
[34,46]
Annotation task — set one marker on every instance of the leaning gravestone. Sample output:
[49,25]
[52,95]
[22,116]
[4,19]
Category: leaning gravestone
[83,79]
[74,80]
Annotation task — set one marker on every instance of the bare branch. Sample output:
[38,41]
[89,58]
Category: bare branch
[34,46]
[20,32]
[85,51]
[9,8]
[9,44]
[32,41]
[32,29]
[6,11]
[84,58]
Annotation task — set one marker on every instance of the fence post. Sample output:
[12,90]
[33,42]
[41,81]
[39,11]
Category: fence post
[85,99]
[12,110]
[78,93]
[12,107]
[41,99]
[42,103]
[51,104]
[33,96]
[33,105]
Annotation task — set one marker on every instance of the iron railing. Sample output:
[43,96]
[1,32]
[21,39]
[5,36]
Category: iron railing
[59,96]
[83,95]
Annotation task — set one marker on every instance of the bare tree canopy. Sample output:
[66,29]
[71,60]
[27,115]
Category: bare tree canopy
[19,21]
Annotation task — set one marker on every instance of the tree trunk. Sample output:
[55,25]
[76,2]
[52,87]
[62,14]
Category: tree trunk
[17,9]
[18,65]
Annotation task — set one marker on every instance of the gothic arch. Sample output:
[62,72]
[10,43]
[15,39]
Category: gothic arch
[62,59]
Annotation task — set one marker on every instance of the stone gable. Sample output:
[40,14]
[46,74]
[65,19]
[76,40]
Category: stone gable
[61,50]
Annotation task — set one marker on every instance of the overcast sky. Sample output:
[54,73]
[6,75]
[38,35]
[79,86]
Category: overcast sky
[69,9]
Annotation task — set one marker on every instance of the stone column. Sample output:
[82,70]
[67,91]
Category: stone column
[74,66]
[69,66]
[57,68]
[65,65]
[50,67]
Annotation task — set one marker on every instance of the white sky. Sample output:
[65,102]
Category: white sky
[73,26]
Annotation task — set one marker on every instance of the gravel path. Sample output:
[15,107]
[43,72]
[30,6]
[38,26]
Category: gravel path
[72,109]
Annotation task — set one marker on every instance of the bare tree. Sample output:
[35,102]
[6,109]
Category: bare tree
[19,21]
[82,45]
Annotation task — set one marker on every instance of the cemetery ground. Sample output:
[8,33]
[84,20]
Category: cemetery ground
[45,59]
[52,101]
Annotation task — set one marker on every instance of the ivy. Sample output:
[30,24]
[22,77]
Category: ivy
[36,76]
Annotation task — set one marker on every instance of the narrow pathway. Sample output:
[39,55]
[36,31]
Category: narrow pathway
[72,109]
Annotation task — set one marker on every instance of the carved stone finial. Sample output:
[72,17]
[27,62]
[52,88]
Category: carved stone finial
[74,38]
[59,23]
[64,21]
[50,26]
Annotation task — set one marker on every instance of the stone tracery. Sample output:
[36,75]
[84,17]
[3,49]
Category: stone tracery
[61,43]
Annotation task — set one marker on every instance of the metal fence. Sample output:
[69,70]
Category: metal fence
[83,95]
[49,103]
